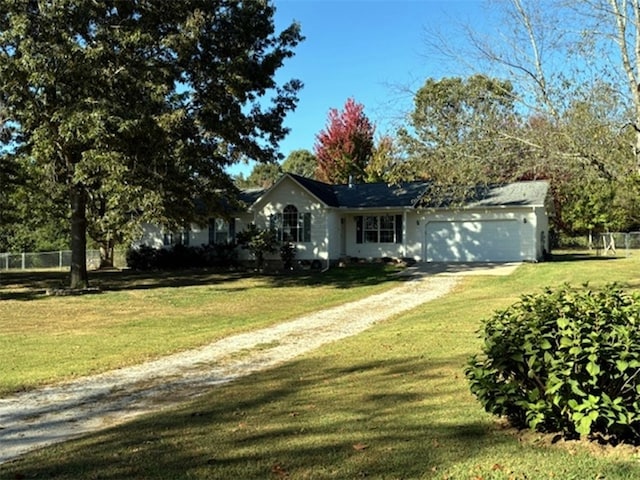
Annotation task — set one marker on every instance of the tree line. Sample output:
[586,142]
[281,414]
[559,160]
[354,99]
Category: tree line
[115,113]
[468,132]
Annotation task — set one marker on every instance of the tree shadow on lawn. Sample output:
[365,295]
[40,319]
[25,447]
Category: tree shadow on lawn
[34,285]
[302,420]
[580,257]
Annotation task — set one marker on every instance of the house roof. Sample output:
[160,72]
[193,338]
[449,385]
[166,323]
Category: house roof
[250,196]
[409,194]
[530,193]
[365,195]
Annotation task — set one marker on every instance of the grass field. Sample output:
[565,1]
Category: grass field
[390,403]
[141,316]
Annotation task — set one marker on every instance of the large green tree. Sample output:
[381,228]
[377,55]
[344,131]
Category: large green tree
[385,157]
[32,219]
[263,175]
[301,162]
[588,159]
[457,135]
[134,109]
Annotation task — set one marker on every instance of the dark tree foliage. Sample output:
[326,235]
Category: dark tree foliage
[134,109]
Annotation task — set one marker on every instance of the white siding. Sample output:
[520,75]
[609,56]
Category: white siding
[152,236]
[242,222]
[414,236]
[492,234]
[542,232]
[289,192]
[374,250]
[334,232]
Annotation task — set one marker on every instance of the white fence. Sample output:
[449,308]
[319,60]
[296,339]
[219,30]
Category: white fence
[41,260]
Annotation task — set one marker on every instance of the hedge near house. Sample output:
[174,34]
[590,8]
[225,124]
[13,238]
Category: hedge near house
[566,360]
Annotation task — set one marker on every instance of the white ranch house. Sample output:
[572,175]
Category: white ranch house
[330,222]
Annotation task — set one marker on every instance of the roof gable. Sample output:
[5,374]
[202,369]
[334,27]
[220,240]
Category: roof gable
[322,191]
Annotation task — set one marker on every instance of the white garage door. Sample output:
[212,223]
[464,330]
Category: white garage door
[475,241]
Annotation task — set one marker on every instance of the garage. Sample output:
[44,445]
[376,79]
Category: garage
[473,241]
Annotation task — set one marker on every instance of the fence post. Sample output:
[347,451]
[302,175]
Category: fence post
[24,258]
[60,259]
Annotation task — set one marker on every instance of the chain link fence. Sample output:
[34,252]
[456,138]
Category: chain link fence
[45,260]
[617,243]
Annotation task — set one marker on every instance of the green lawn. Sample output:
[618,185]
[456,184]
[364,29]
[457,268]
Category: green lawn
[390,403]
[137,316]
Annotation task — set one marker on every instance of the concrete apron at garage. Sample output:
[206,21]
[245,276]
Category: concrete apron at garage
[465,269]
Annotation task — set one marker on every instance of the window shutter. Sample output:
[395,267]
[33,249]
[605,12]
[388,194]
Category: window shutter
[359,229]
[306,227]
[232,230]
[275,223]
[398,228]
[212,231]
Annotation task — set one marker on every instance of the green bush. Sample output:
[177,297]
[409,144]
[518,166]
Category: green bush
[564,361]
[259,242]
[180,257]
[287,255]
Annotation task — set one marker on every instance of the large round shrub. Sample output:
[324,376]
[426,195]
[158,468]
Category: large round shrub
[565,360]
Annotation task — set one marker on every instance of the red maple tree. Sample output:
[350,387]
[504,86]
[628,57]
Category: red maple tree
[345,146]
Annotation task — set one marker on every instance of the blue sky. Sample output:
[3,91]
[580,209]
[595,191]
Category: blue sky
[371,50]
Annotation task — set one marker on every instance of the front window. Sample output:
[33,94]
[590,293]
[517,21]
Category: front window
[173,238]
[371,229]
[379,229]
[291,225]
[219,231]
[387,229]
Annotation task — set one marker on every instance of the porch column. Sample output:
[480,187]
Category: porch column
[404,233]
[326,236]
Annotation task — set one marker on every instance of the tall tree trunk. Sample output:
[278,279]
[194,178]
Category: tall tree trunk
[106,253]
[79,275]
[636,150]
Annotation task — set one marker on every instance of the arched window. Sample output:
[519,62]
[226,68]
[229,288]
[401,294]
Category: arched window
[291,225]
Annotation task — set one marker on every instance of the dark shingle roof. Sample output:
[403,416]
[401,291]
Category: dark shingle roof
[364,195]
[410,194]
[531,193]
[377,195]
[250,196]
[323,191]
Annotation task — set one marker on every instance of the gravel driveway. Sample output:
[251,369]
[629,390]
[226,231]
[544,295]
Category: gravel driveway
[54,414]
